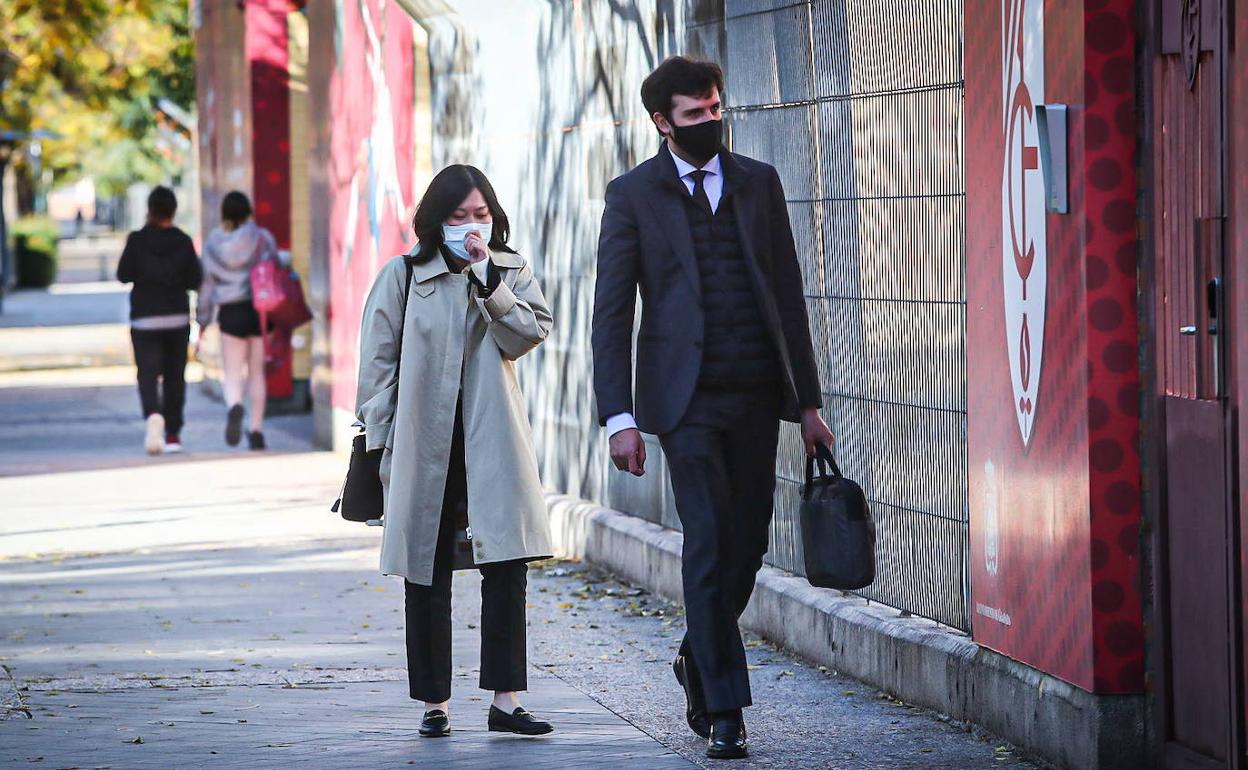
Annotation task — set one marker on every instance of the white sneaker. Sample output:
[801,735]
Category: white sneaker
[154,440]
[173,447]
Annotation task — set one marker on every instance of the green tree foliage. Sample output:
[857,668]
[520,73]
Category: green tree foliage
[92,71]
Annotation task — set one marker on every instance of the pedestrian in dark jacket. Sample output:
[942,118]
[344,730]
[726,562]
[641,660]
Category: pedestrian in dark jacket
[160,261]
[724,354]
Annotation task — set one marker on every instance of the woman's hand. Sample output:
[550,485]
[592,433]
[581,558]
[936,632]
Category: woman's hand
[476,246]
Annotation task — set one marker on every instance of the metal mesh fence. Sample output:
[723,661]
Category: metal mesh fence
[858,104]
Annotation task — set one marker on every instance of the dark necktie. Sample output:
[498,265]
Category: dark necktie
[699,190]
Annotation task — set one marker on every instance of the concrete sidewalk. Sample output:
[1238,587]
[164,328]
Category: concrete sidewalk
[209,611]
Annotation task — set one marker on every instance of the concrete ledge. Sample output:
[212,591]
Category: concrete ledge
[915,660]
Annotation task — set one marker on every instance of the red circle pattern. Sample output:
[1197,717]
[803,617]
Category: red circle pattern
[270,114]
[1113,344]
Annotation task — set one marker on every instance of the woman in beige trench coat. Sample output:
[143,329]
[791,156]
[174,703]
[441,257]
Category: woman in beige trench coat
[438,392]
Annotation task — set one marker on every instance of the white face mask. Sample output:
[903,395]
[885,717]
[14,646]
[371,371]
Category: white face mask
[453,236]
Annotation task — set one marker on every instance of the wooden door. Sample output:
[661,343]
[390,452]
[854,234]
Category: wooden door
[1196,671]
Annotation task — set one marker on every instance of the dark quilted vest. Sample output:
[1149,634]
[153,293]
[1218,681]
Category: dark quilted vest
[738,351]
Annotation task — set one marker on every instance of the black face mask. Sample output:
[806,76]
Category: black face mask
[701,140]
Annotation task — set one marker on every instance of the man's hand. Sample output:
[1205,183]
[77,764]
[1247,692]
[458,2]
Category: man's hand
[628,452]
[815,431]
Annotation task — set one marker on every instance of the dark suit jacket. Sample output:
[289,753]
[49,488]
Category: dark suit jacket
[646,243]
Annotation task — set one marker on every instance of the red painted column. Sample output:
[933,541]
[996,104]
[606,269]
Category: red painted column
[1053,386]
[270,104]
[268,62]
[1111,248]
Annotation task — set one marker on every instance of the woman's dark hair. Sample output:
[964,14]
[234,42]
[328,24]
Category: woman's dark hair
[447,190]
[235,208]
[162,204]
[679,75]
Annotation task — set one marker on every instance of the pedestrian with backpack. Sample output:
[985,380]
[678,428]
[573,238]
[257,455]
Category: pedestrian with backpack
[160,261]
[232,249]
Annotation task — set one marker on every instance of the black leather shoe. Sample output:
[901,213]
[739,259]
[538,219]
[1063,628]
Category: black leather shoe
[695,699]
[728,737]
[519,721]
[436,724]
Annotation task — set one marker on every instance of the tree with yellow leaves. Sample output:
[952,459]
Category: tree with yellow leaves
[91,71]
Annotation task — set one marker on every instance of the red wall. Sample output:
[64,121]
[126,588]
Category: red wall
[371,93]
[244,106]
[243,91]
[1054,468]
[267,60]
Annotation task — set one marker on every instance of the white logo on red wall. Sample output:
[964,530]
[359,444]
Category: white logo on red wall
[1024,258]
[991,518]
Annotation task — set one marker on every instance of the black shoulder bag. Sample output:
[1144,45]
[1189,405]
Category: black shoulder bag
[362,498]
[838,535]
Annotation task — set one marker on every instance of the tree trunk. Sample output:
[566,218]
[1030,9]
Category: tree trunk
[25,188]
[5,272]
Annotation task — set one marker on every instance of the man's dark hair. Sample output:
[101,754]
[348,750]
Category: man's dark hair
[447,190]
[679,75]
[235,208]
[162,204]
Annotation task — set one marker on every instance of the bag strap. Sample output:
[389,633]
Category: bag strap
[827,461]
[398,355]
[264,334]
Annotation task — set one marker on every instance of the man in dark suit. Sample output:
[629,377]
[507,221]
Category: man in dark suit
[723,355]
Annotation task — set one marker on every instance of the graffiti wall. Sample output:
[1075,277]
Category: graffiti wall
[370,177]
[1052,385]
[545,100]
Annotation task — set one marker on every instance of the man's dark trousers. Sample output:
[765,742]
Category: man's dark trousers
[722,458]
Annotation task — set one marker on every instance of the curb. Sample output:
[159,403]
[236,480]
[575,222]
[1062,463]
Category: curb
[913,659]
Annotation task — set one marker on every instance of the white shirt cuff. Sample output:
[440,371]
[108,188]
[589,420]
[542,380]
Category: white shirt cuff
[619,422]
[480,268]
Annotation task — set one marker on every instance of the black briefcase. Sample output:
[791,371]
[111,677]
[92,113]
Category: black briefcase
[362,497]
[838,535]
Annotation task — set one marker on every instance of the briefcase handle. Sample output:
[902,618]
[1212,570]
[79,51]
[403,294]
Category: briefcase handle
[826,460]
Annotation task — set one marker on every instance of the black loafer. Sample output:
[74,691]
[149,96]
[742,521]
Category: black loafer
[695,699]
[519,721]
[728,739]
[436,724]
